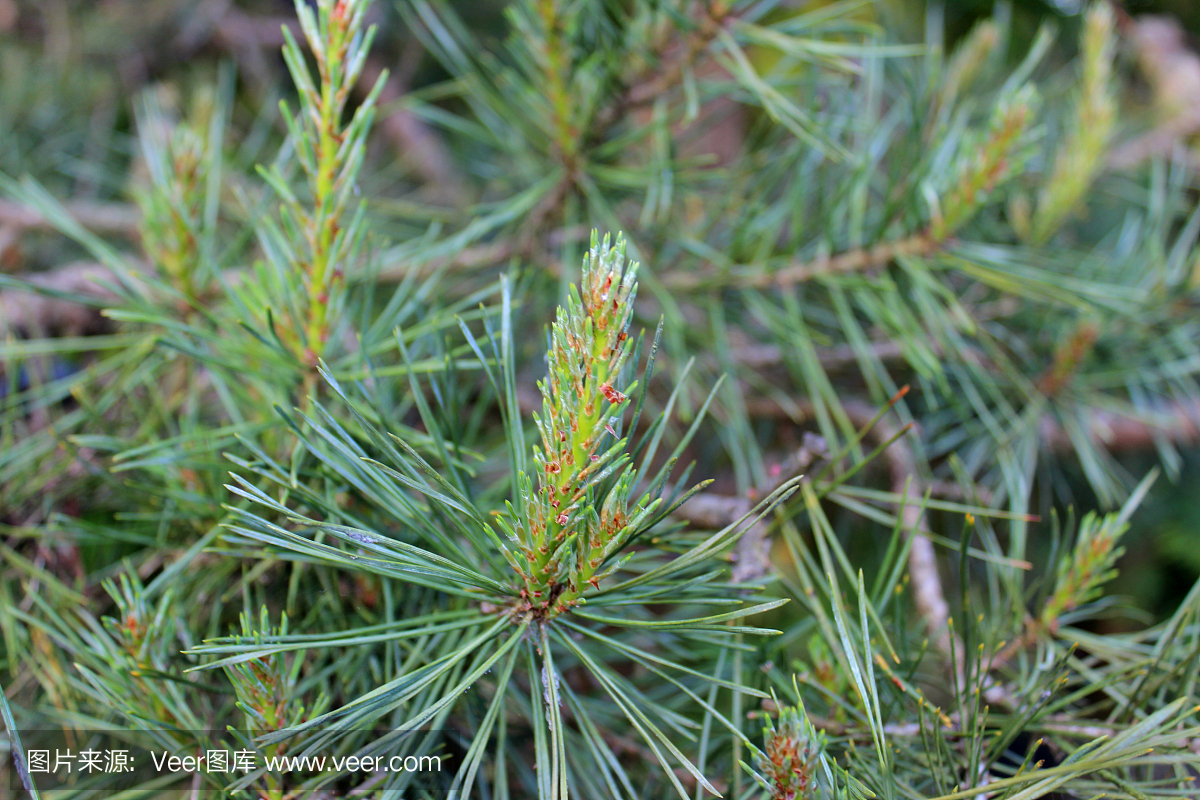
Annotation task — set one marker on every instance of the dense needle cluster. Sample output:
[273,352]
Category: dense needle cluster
[565,530]
[179,161]
[786,767]
[987,162]
[1087,568]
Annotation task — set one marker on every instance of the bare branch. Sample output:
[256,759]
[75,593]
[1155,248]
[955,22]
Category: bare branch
[1177,422]
[29,312]
[118,218]
[922,559]
[857,260]
[33,314]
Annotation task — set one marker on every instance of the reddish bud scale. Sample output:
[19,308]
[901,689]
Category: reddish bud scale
[611,395]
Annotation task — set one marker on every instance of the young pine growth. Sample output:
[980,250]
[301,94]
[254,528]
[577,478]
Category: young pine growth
[786,768]
[138,646]
[512,597]
[986,160]
[179,159]
[317,238]
[265,687]
[562,535]
[1087,567]
[1081,156]
[266,693]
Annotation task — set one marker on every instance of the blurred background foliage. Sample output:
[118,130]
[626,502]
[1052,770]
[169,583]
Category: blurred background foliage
[478,163]
[70,68]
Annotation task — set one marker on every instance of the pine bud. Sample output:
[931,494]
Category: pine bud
[786,767]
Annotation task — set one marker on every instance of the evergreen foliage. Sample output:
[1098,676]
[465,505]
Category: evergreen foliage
[313,488]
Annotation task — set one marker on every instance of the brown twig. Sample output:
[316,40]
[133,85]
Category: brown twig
[906,482]
[118,218]
[1177,421]
[678,58]
[9,251]
[1180,422]
[1164,140]
[858,260]
[752,557]
[32,314]
[922,559]
[1067,358]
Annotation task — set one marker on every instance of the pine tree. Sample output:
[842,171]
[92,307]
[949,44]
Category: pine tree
[770,509]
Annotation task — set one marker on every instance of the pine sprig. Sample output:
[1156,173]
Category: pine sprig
[180,161]
[568,535]
[1088,566]
[319,240]
[786,767]
[986,160]
[1080,156]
